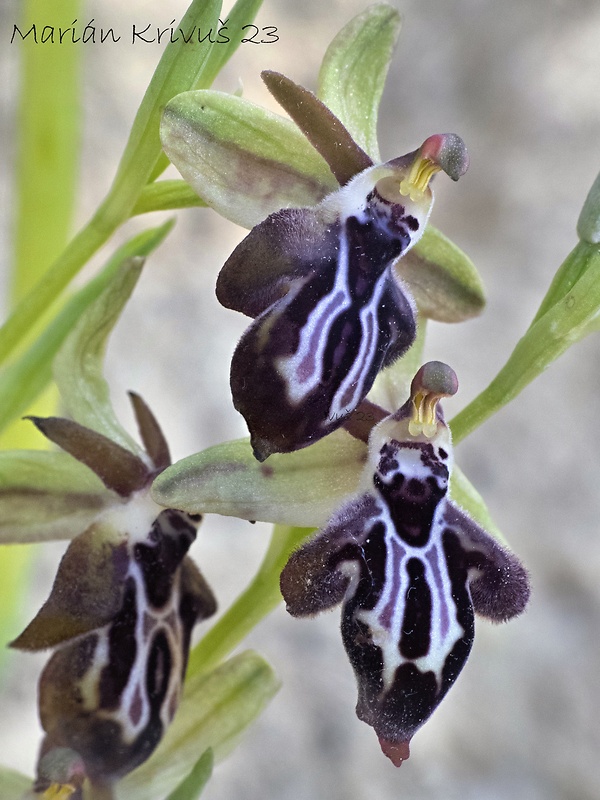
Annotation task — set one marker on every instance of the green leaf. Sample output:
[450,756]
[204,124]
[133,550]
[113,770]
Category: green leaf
[468,498]
[78,368]
[244,161]
[13,785]
[588,224]
[47,495]
[16,572]
[301,488]
[23,380]
[180,67]
[442,279]
[166,195]
[191,788]
[354,70]
[215,709]
[570,311]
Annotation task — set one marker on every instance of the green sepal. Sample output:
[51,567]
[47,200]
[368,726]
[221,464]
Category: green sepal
[191,787]
[46,496]
[87,591]
[442,279]
[243,161]
[215,709]
[354,70]
[13,785]
[78,367]
[299,489]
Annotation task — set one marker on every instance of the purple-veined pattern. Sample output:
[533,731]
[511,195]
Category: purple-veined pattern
[110,694]
[410,569]
[329,311]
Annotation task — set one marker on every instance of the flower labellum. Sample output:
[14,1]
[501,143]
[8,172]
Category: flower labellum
[330,313]
[410,569]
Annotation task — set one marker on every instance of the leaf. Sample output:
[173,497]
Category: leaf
[569,312]
[442,279]
[179,69]
[166,195]
[215,709]
[588,224]
[48,144]
[47,495]
[191,788]
[257,600]
[242,13]
[301,488]
[23,380]
[78,368]
[244,161]
[354,70]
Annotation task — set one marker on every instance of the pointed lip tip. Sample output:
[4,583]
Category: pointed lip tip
[397,752]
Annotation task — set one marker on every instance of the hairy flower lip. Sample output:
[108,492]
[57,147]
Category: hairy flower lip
[410,569]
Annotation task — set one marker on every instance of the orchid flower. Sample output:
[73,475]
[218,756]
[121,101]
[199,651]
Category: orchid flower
[338,259]
[409,567]
[330,312]
[126,596]
[119,617]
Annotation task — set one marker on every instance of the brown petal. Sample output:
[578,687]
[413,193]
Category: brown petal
[322,128]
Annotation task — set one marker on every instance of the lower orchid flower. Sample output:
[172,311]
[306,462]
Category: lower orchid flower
[119,618]
[410,569]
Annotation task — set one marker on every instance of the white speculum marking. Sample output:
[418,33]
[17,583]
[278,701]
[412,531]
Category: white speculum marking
[386,620]
[303,371]
[167,619]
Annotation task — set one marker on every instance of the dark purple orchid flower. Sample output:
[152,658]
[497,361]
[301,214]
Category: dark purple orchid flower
[410,569]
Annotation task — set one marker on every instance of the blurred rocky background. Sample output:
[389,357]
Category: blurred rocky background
[520,81]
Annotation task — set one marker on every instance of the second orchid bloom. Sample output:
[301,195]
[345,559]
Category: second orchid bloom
[409,567]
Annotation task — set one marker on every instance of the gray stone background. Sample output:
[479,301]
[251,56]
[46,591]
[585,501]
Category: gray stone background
[520,81]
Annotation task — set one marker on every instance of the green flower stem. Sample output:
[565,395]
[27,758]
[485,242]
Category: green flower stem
[570,311]
[259,598]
